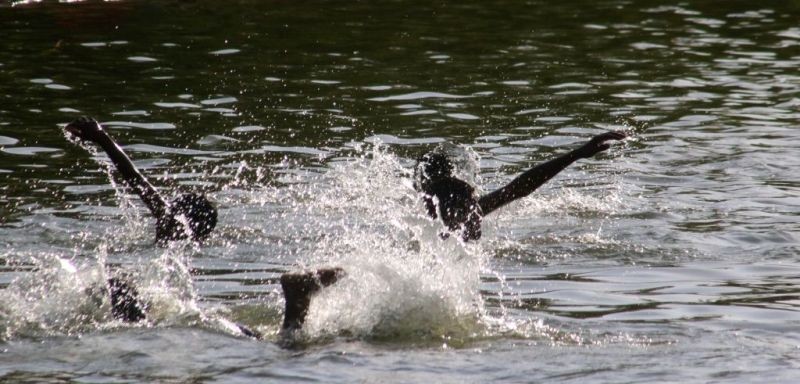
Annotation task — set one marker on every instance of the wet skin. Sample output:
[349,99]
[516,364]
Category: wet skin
[454,201]
[198,212]
[187,216]
[201,217]
[445,196]
[451,199]
[298,287]
[125,303]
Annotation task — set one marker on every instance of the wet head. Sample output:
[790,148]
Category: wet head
[431,167]
[446,197]
[199,213]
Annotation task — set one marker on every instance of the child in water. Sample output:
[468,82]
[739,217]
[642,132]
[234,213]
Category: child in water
[446,197]
[189,216]
[454,201]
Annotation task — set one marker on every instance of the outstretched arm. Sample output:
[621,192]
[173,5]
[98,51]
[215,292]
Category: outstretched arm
[532,179]
[90,130]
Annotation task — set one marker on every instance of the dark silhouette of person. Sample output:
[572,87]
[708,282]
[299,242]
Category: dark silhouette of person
[450,199]
[446,197]
[298,288]
[189,216]
[455,202]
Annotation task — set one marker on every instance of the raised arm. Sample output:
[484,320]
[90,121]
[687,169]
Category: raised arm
[90,130]
[533,178]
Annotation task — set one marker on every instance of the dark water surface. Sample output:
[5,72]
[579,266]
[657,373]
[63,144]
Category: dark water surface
[673,257]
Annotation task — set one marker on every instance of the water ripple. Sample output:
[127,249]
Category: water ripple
[132,124]
[674,252]
[419,96]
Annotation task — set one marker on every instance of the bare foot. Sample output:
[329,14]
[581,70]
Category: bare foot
[298,287]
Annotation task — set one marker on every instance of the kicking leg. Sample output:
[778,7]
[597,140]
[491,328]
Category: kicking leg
[298,287]
[126,306]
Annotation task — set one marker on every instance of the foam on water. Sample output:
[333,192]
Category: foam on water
[69,295]
[59,298]
[66,293]
[402,280]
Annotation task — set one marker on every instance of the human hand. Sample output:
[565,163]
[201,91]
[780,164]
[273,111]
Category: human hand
[85,128]
[598,143]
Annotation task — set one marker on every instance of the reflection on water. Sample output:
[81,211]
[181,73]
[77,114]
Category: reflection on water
[671,257]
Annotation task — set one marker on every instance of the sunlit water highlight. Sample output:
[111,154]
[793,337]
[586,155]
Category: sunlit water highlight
[671,258]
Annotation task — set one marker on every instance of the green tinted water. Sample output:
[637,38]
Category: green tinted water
[671,258]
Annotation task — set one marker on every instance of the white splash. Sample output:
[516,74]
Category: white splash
[60,297]
[402,280]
